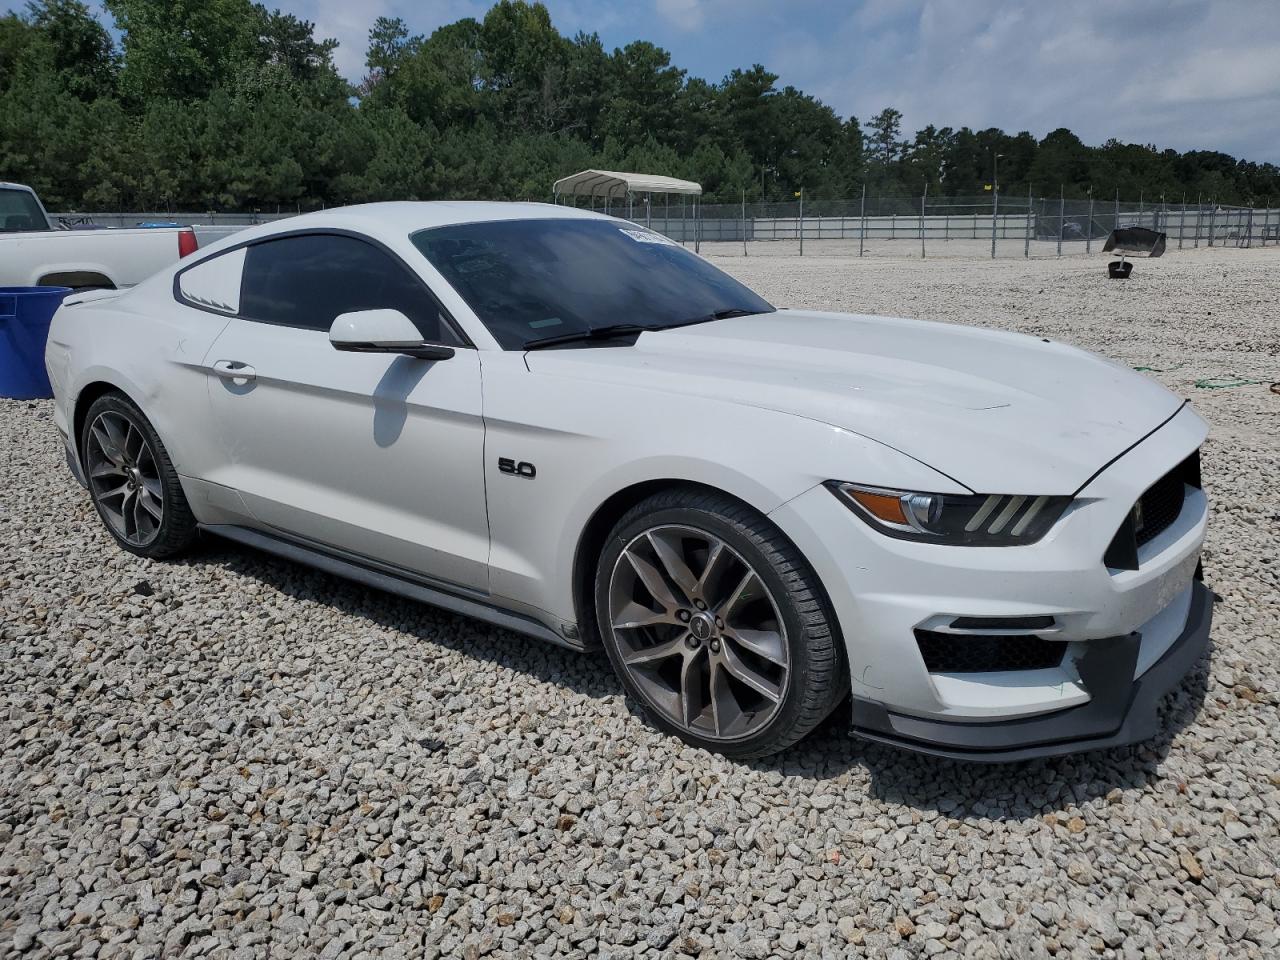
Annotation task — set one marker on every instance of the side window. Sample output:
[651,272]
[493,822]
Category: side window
[214,284]
[306,281]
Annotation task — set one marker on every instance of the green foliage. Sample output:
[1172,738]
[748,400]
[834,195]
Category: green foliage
[79,46]
[884,130]
[225,104]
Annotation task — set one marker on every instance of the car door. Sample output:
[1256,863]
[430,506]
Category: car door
[377,455]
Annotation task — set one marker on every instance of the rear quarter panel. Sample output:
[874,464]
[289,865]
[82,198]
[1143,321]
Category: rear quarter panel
[150,348]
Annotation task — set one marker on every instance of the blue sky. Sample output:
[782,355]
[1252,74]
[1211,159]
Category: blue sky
[1186,74]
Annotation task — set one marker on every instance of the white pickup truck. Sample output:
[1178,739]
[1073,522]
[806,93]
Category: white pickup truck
[34,252]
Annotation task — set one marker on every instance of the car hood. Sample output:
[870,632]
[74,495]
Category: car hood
[998,412]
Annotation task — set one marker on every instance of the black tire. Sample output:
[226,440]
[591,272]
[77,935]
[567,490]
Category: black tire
[176,530]
[817,679]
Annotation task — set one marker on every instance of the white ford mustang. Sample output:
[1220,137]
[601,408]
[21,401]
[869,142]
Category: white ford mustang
[569,426]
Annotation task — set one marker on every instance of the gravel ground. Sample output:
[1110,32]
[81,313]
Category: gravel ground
[236,756]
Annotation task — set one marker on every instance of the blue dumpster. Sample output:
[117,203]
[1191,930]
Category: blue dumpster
[25,313]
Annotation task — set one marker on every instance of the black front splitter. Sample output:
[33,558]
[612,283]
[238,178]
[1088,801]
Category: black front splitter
[1120,710]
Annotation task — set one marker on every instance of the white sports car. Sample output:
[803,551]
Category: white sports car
[569,426]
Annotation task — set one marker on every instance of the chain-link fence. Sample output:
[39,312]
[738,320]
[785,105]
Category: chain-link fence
[996,225]
[991,225]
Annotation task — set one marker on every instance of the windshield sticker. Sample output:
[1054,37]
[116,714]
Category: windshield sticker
[644,236]
[548,322]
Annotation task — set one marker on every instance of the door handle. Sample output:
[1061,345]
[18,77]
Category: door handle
[234,370]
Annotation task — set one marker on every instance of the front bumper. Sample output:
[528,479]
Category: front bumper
[1120,711]
[1115,625]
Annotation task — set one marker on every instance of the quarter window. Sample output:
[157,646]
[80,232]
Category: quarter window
[215,283]
[307,281]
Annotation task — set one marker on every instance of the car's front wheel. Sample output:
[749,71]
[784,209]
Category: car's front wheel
[717,625]
[132,481]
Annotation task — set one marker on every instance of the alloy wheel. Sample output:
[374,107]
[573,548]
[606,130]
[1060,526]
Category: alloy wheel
[124,478]
[699,632]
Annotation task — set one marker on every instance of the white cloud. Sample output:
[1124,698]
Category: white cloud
[1181,73]
[684,14]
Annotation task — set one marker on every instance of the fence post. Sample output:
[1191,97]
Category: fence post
[995,209]
[1213,219]
[1026,239]
[744,221]
[802,221]
[1062,214]
[697,224]
[1266,221]
[862,230]
[1088,231]
[923,197]
[1182,221]
[1248,231]
[1116,218]
[1199,217]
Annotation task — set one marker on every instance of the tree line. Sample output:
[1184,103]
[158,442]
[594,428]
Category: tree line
[227,105]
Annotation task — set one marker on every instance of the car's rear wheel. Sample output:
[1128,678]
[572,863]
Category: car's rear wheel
[132,480]
[716,624]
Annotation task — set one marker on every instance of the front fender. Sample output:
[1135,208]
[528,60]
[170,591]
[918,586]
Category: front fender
[589,441]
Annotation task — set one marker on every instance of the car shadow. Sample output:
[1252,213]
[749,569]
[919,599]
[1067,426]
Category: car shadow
[586,675]
[391,398]
[963,790]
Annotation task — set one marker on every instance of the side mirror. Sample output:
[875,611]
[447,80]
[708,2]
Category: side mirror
[383,331]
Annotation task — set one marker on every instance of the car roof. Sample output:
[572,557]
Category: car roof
[406,217]
[390,221]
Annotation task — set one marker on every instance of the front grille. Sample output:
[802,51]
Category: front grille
[969,653]
[1155,511]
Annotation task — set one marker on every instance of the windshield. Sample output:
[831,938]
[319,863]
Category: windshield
[529,280]
[19,212]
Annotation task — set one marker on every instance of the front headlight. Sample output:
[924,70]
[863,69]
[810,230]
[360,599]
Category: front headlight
[981,520]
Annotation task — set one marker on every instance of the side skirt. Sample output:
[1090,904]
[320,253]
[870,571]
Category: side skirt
[400,584]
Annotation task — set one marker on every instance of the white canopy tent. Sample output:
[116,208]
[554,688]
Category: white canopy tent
[614,185]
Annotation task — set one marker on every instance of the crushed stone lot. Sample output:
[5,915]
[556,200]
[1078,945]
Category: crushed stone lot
[236,756]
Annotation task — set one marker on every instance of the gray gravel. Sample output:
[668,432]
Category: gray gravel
[235,756]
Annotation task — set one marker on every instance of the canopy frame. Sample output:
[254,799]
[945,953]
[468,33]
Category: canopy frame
[616,185]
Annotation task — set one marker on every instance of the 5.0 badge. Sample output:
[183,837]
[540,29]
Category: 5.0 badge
[520,468]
